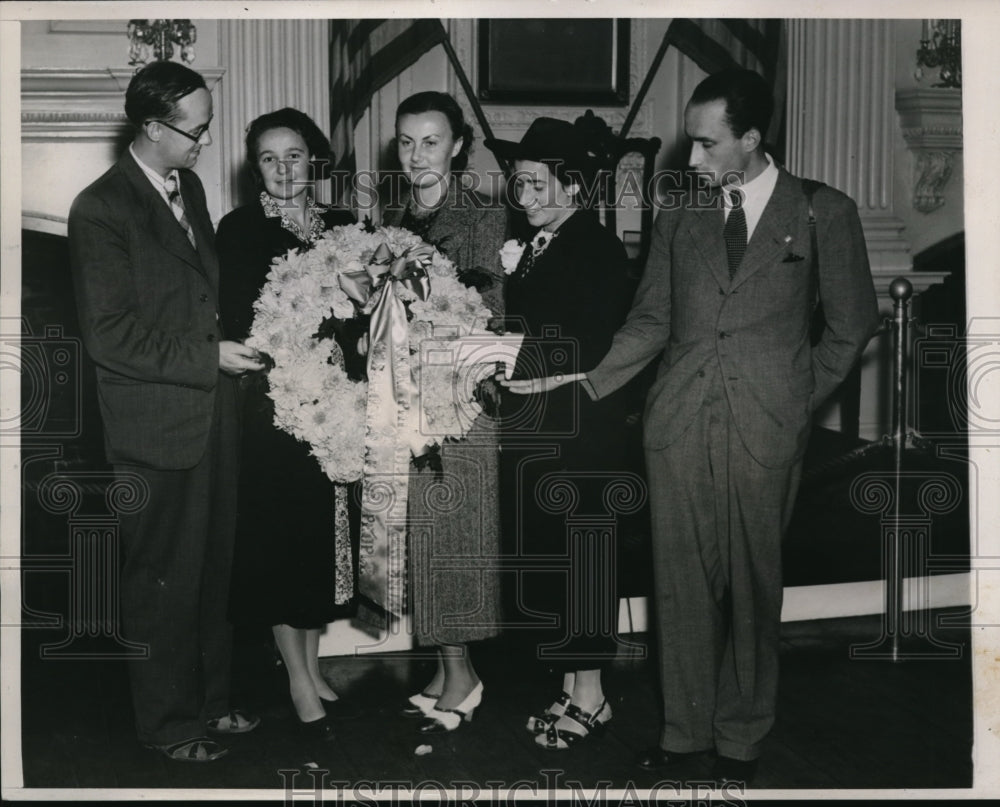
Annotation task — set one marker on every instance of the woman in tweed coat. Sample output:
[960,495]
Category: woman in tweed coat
[454,517]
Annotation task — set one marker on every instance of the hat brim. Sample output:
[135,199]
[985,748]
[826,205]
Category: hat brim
[506,149]
[510,151]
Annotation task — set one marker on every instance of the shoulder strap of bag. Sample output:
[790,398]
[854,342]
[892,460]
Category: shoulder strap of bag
[809,188]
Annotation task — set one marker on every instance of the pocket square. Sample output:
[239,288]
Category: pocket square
[791,257]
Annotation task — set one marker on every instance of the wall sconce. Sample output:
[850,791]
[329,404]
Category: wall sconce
[941,47]
[157,38]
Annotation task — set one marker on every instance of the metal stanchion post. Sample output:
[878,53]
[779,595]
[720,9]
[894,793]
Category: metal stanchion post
[906,529]
[901,291]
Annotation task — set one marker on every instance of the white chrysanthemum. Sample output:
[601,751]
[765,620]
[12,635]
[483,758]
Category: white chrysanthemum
[314,400]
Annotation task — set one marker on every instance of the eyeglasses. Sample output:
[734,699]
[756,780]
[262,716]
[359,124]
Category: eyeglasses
[192,136]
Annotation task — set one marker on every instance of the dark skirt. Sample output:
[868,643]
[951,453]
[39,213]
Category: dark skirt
[284,561]
[566,487]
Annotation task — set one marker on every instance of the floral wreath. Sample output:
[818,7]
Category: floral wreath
[314,398]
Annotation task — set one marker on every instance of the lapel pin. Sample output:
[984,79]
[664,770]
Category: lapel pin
[788,238]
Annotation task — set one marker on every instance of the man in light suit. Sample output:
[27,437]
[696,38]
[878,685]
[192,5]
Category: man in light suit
[726,297]
[145,277]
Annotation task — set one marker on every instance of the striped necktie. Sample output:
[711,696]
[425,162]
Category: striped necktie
[177,206]
[735,232]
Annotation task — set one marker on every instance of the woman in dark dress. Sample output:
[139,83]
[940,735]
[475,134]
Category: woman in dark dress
[564,456]
[452,606]
[286,554]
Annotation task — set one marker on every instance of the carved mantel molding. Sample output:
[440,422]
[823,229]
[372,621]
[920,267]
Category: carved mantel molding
[74,104]
[931,122]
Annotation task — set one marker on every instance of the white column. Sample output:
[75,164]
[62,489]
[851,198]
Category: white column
[841,130]
[842,122]
[270,64]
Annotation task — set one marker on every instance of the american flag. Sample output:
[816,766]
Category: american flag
[757,44]
[364,56]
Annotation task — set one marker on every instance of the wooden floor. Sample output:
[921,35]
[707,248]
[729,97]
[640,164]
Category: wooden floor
[842,723]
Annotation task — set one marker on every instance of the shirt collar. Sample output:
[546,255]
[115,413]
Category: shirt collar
[272,210]
[757,189]
[158,182]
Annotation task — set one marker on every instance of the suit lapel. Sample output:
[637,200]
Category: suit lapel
[705,229]
[204,234]
[160,220]
[774,231]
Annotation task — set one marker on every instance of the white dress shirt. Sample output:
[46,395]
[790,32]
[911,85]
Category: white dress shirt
[756,194]
[158,182]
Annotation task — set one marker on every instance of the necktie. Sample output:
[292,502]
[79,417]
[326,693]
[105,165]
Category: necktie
[177,206]
[735,232]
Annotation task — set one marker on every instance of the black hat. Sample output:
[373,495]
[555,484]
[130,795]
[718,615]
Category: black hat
[547,140]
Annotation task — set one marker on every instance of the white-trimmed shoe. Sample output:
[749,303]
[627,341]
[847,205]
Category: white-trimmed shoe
[440,720]
[421,705]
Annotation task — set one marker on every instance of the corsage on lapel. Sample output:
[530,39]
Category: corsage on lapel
[510,255]
[512,252]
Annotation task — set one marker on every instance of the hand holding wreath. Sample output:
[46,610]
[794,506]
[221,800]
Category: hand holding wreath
[314,397]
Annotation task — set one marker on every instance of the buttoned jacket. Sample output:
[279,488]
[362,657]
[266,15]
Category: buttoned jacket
[148,301]
[751,331]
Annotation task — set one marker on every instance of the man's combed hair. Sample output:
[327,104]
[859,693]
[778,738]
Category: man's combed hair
[154,91]
[748,98]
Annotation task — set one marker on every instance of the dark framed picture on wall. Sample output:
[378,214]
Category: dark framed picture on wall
[577,62]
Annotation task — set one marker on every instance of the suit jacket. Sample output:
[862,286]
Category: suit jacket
[147,302]
[752,330]
[569,305]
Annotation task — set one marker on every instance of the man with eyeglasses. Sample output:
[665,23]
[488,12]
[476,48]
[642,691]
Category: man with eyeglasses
[145,276]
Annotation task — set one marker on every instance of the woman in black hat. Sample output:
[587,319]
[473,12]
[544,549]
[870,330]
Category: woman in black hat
[562,453]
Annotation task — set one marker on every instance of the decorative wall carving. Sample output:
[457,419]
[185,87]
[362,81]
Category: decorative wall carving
[50,125]
[931,121]
[931,174]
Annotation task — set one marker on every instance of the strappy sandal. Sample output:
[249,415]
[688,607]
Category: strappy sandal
[591,724]
[540,724]
[236,722]
[197,749]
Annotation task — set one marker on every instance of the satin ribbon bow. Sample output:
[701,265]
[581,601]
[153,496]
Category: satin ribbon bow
[384,269]
[392,431]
